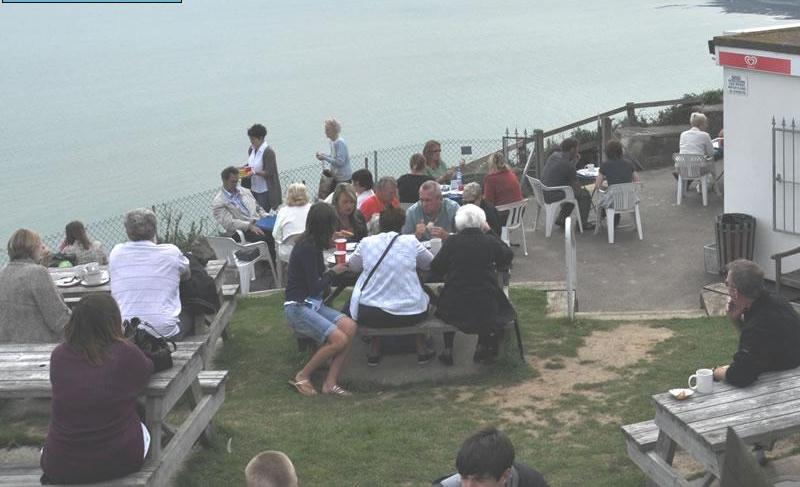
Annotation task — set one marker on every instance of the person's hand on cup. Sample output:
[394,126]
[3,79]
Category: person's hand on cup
[439,232]
[339,268]
[720,371]
[342,234]
[419,231]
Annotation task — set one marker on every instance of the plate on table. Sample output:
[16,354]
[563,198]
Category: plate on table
[67,281]
[105,279]
[351,246]
[681,393]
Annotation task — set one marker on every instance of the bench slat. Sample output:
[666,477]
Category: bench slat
[644,435]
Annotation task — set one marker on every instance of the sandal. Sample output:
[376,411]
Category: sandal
[304,387]
[338,391]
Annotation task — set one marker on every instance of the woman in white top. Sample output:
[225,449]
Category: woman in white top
[291,219]
[392,296]
[696,140]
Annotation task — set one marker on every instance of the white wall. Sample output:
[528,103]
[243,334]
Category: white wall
[748,156]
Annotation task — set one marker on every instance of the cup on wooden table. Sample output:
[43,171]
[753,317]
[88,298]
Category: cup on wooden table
[703,381]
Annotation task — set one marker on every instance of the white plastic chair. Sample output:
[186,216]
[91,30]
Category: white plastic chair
[283,255]
[226,248]
[515,221]
[693,167]
[625,199]
[552,209]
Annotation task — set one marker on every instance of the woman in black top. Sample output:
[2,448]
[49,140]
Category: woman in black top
[408,184]
[471,299]
[351,223]
[307,278]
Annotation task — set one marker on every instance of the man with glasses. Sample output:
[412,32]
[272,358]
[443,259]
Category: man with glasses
[769,327]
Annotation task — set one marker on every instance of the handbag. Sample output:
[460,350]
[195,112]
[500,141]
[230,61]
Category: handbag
[327,183]
[357,292]
[156,348]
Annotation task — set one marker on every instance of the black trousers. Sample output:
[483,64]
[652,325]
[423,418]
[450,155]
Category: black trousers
[373,317]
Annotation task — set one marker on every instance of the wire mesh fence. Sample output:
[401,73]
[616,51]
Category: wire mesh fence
[181,219]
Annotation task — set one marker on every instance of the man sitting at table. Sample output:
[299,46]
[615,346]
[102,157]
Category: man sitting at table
[145,276]
[431,216]
[615,170]
[386,195]
[769,327]
[560,170]
[235,208]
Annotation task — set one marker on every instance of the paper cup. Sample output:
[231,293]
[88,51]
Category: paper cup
[341,244]
[341,256]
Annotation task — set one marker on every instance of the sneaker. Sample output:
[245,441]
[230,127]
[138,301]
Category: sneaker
[373,360]
[446,358]
[426,357]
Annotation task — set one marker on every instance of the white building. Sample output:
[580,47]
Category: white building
[761,71]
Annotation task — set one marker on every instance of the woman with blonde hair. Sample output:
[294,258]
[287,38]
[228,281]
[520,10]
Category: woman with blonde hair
[95,432]
[76,242]
[501,185]
[291,219]
[352,224]
[435,166]
[31,310]
[339,158]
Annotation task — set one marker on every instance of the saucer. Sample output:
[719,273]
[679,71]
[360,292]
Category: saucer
[68,281]
[687,393]
[103,280]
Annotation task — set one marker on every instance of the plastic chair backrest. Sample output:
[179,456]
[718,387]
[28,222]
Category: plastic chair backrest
[290,241]
[625,195]
[224,248]
[516,211]
[538,190]
[690,165]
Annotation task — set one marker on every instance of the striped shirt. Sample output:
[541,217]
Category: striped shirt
[144,282]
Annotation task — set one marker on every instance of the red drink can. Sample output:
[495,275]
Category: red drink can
[341,244]
[341,256]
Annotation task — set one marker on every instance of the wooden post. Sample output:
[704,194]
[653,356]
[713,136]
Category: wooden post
[538,146]
[606,135]
[631,114]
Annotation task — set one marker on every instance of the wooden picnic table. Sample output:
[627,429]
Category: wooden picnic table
[761,413]
[25,373]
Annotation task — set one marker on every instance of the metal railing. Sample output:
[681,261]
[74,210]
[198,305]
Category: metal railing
[785,191]
[191,214]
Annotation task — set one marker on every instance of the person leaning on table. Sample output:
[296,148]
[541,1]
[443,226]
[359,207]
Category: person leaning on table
[768,326]
[432,216]
[95,433]
[31,310]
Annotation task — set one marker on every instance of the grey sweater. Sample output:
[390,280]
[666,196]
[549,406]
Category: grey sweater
[31,310]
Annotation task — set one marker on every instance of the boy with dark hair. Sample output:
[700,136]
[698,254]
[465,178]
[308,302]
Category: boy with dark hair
[363,183]
[486,459]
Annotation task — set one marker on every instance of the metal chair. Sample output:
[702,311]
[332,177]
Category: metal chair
[226,248]
[551,209]
[693,167]
[516,214]
[623,198]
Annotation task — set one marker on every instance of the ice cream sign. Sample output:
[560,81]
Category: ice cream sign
[754,62]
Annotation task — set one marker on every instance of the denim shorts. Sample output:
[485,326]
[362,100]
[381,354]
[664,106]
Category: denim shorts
[313,324]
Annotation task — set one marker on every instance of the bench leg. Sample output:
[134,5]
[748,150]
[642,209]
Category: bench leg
[197,396]
[153,417]
[665,448]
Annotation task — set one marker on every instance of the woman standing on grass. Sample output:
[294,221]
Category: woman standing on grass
[305,312]
[95,433]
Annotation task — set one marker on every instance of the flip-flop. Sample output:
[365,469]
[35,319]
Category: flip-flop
[304,387]
[338,391]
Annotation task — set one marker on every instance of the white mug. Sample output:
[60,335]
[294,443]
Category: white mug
[704,381]
[92,268]
[436,245]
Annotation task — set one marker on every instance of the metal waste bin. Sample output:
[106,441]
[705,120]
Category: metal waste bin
[736,234]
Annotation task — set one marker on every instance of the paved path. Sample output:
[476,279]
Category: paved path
[662,272]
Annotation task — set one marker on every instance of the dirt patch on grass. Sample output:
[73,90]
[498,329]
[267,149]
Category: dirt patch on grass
[596,361]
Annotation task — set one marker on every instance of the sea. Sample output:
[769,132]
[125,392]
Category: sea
[107,107]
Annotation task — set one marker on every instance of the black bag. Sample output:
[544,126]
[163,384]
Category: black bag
[327,183]
[156,348]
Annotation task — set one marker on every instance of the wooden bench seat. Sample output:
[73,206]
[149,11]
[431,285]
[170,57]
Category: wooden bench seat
[643,435]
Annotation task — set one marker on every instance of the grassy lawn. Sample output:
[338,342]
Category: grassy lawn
[409,435]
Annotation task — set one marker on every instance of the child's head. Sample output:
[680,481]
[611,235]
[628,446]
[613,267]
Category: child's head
[270,469]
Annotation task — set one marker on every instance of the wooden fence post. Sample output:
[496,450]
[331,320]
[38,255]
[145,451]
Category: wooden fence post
[631,114]
[605,136]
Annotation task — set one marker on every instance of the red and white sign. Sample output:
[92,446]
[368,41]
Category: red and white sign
[755,63]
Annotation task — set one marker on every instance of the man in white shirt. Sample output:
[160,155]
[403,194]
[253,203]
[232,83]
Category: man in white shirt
[145,276]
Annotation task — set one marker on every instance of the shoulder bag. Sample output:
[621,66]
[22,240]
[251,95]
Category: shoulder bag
[156,347]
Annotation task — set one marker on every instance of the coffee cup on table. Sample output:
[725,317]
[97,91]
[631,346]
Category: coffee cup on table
[703,381]
[341,244]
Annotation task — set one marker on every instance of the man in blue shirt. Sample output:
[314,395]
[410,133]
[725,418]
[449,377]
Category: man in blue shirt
[432,216]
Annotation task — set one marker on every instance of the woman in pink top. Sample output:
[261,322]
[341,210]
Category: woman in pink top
[501,186]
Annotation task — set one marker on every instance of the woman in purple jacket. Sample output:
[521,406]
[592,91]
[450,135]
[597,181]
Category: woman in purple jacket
[95,432]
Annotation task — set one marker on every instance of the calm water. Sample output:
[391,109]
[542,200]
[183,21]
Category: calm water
[108,107]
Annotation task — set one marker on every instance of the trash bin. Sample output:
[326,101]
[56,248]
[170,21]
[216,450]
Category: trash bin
[736,234]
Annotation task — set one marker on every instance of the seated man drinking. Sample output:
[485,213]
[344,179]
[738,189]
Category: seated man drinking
[768,325]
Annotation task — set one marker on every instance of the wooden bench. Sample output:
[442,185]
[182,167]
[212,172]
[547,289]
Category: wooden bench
[153,473]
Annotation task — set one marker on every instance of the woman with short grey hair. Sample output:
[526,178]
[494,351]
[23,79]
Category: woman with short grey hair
[696,140]
[140,224]
[472,299]
[339,158]
[473,195]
